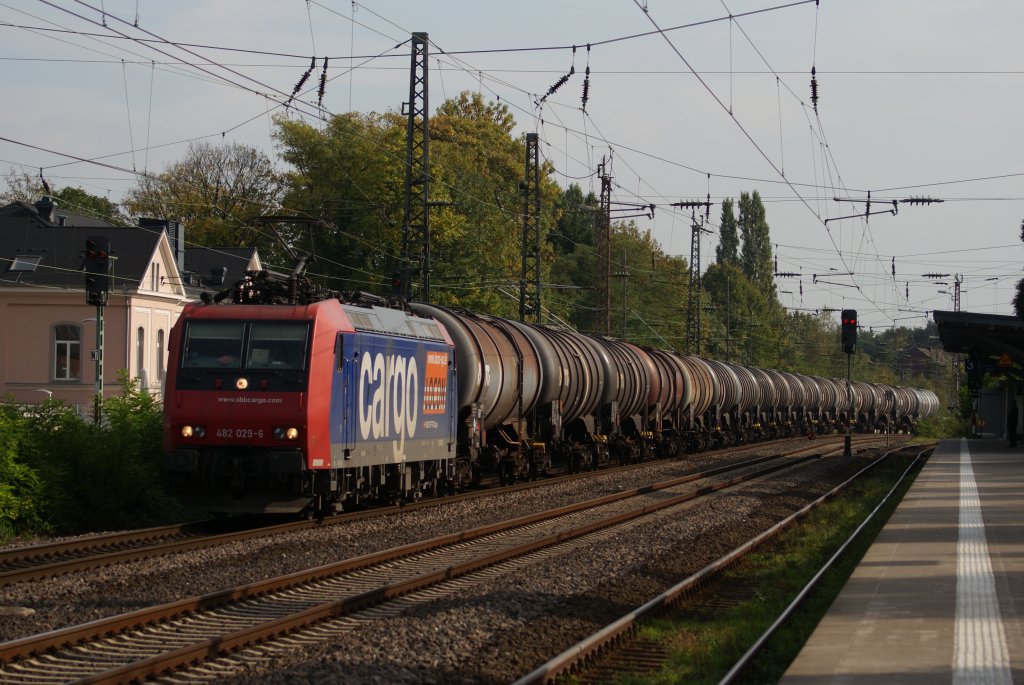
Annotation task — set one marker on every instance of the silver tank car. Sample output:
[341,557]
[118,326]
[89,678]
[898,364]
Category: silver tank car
[529,395]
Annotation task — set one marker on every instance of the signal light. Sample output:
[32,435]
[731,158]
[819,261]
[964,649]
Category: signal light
[97,270]
[849,330]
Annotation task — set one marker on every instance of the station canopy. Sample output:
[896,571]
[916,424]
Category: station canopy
[992,337]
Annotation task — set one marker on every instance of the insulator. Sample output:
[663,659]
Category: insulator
[586,88]
[302,81]
[323,84]
[814,89]
[558,84]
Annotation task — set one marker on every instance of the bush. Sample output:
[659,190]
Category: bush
[90,477]
[942,425]
[20,486]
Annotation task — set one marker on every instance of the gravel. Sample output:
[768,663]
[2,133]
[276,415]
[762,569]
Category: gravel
[489,631]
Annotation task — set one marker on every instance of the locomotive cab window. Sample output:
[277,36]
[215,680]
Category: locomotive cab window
[272,345]
[214,345]
[277,345]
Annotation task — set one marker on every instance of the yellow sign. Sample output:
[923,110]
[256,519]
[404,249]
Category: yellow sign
[1005,360]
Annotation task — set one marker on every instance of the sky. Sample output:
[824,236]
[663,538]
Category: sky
[686,99]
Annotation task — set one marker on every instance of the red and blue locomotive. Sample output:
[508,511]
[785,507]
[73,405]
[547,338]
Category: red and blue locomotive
[306,407]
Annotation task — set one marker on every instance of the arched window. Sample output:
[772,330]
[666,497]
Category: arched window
[140,352]
[160,370]
[67,352]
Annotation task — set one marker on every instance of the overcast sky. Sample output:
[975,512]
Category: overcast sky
[916,98]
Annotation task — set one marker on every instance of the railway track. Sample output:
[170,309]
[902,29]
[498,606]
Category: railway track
[615,651]
[151,641]
[23,564]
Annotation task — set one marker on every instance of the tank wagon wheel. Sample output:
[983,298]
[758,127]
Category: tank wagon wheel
[507,473]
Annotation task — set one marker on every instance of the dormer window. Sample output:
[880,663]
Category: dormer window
[25,262]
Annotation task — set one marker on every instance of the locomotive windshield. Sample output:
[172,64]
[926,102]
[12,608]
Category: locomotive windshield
[277,345]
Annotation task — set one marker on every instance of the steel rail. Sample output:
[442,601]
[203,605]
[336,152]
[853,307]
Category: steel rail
[33,562]
[37,561]
[106,627]
[604,639]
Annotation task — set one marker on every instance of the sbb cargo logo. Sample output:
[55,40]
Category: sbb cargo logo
[435,383]
[388,393]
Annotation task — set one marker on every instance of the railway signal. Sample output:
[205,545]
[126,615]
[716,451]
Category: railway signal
[97,270]
[849,317]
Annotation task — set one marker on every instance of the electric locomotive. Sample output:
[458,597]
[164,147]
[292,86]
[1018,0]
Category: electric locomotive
[288,407]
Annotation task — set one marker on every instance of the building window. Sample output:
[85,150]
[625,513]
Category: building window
[24,263]
[154,278]
[140,352]
[160,370]
[67,352]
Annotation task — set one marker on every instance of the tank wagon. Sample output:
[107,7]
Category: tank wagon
[281,399]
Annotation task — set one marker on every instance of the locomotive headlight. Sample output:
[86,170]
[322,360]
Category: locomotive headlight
[193,432]
[242,383]
[282,433]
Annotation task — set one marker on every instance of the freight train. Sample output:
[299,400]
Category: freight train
[282,399]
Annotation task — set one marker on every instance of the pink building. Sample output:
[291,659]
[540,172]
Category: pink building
[48,342]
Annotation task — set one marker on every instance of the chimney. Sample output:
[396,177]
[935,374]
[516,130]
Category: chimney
[46,206]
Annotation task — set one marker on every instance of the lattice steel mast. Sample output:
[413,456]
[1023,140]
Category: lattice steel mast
[603,247]
[416,219]
[529,272]
[693,296]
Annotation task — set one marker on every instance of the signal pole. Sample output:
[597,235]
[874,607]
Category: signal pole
[849,332]
[97,287]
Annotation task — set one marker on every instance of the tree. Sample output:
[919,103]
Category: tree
[575,224]
[756,254]
[213,191]
[729,241]
[81,202]
[25,188]
[350,175]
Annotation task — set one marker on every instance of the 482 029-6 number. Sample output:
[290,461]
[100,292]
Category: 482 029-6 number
[239,433]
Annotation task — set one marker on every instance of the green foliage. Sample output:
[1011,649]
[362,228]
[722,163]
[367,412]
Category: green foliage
[20,486]
[575,226]
[81,202]
[943,425]
[75,476]
[728,240]
[214,190]
[25,188]
[756,254]
[351,174]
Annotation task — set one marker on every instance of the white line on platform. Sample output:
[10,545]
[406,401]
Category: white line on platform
[980,654]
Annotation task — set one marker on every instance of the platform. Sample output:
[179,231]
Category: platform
[938,597]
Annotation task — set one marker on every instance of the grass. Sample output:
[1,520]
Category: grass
[703,642]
